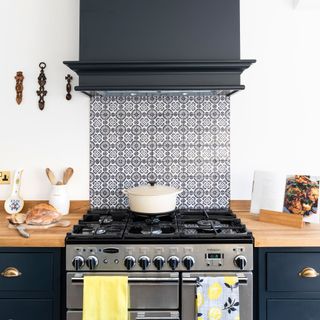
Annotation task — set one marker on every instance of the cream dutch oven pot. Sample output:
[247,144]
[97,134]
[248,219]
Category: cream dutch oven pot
[152,199]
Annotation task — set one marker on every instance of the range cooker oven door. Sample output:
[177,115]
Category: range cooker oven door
[136,315]
[149,291]
[189,285]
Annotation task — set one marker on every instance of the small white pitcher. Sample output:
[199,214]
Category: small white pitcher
[59,198]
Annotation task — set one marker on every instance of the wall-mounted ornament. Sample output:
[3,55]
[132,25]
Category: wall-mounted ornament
[68,86]
[19,86]
[42,80]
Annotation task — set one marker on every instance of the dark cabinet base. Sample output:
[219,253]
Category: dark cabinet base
[26,309]
[293,309]
[282,292]
[37,292]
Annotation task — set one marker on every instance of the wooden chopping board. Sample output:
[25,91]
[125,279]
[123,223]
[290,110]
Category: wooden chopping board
[63,224]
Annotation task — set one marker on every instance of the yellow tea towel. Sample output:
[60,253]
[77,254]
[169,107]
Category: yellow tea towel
[105,298]
[218,298]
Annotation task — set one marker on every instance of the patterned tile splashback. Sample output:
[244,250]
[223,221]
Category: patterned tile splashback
[182,141]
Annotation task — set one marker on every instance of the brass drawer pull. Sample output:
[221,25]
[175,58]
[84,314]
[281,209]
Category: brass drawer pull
[308,273]
[11,272]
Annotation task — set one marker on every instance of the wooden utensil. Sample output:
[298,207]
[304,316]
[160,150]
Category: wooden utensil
[68,86]
[20,228]
[19,86]
[14,203]
[51,176]
[61,224]
[42,80]
[67,175]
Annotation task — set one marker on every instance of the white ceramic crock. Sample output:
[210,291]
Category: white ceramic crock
[59,198]
[152,199]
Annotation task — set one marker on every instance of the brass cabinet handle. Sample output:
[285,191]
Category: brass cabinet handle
[308,273]
[11,272]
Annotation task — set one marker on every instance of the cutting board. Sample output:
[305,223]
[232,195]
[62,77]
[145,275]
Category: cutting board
[63,223]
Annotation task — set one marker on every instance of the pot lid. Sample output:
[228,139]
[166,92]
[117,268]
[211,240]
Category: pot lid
[153,189]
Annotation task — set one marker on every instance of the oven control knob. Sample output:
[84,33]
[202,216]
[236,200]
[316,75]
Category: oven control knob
[78,262]
[173,262]
[144,262]
[92,262]
[129,262]
[159,262]
[240,261]
[188,262]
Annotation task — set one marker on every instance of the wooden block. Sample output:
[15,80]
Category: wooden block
[287,219]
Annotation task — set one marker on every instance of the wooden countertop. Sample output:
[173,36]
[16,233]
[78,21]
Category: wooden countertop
[265,234]
[53,237]
[275,235]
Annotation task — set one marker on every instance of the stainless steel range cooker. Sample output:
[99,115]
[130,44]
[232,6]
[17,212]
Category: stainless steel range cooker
[163,257]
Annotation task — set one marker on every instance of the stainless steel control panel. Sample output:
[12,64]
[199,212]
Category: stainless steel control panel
[151,257]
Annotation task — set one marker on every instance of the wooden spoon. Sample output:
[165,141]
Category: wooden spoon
[51,176]
[67,175]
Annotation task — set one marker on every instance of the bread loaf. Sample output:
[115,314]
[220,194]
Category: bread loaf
[42,214]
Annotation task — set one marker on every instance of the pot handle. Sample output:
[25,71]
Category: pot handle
[152,183]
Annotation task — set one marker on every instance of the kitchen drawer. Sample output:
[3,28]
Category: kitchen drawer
[37,272]
[283,272]
[295,309]
[25,309]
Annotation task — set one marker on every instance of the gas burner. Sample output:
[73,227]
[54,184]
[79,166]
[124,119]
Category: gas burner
[208,223]
[155,220]
[191,232]
[154,230]
[106,219]
[142,230]
[101,231]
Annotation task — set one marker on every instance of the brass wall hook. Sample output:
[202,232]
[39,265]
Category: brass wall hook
[42,80]
[19,86]
[68,86]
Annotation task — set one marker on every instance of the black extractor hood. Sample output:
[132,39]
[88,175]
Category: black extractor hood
[159,45]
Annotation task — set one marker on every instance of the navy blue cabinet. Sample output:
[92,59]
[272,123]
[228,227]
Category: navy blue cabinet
[293,309]
[27,309]
[30,283]
[287,283]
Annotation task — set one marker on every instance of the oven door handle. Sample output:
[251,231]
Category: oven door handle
[157,318]
[242,280]
[135,280]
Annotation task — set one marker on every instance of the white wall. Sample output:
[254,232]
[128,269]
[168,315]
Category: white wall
[57,137]
[274,121]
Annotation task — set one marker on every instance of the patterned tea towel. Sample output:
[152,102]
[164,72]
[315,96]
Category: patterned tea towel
[218,298]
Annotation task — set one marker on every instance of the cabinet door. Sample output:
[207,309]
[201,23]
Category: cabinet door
[283,272]
[293,309]
[36,269]
[23,309]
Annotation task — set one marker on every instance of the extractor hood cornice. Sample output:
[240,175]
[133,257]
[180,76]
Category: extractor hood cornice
[127,66]
[163,75]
